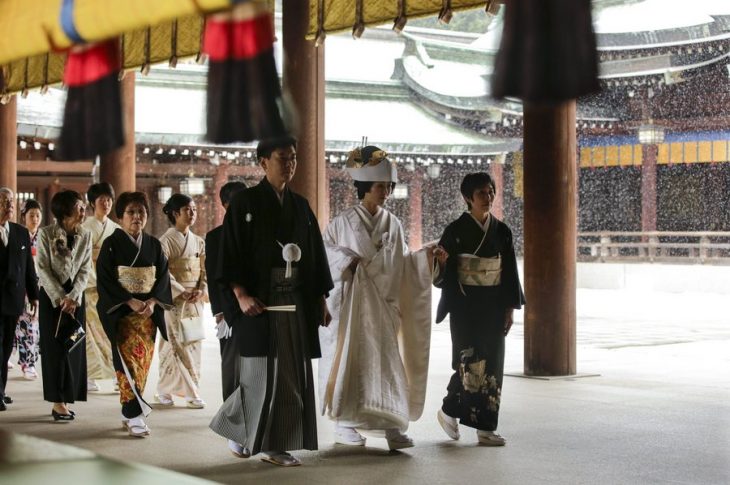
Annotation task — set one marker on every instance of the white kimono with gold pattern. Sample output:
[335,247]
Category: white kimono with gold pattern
[98,349]
[375,353]
[180,362]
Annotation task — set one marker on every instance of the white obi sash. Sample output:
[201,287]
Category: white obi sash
[476,271]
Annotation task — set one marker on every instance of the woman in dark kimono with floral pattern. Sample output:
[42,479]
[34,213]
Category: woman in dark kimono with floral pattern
[477,272]
[134,289]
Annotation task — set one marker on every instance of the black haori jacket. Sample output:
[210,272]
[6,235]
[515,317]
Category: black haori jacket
[254,222]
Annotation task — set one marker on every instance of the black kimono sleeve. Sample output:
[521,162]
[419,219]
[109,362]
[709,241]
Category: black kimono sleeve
[235,247]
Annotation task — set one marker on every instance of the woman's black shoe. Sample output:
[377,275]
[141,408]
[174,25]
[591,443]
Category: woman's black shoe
[61,417]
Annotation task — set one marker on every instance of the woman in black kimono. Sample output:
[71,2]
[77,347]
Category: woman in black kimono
[480,289]
[134,288]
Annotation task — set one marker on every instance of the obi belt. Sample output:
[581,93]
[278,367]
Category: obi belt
[476,271]
[186,271]
[137,280]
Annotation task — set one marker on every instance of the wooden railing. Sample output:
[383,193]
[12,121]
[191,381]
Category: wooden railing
[674,247]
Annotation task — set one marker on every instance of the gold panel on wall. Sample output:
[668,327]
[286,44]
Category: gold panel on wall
[585,157]
[676,152]
[719,151]
[690,152]
[612,156]
[705,151]
[663,155]
[599,156]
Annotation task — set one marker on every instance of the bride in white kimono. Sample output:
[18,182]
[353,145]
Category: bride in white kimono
[375,352]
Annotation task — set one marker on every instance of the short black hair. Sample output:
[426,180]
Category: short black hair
[97,190]
[174,204]
[62,204]
[28,205]
[229,190]
[364,187]
[265,147]
[127,198]
[475,181]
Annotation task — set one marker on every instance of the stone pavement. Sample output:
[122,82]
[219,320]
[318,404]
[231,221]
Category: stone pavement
[658,412]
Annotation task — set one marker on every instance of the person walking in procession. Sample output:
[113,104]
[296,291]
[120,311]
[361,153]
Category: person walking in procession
[375,354]
[98,349]
[274,259]
[134,290]
[18,280]
[225,309]
[180,354]
[64,265]
[477,273]
[26,333]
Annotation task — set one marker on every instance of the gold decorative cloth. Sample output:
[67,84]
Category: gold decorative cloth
[137,280]
[476,271]
[186,270]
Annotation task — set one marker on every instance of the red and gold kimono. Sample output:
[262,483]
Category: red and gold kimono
[132,268]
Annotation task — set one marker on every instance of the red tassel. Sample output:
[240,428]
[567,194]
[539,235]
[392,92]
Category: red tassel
[244,95]
[92,119]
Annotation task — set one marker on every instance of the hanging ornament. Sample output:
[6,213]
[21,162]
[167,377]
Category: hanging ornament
[244,95]
[92,118]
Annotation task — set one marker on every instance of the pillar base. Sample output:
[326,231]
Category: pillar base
[552,378]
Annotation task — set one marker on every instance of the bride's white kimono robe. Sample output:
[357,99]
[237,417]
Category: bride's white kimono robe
[374,364]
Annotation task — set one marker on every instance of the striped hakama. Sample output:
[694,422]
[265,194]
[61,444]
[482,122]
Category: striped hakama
[273,408]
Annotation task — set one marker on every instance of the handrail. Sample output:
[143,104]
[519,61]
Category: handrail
[711,247]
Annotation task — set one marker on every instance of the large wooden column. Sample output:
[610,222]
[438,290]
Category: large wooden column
[119,167]
[648,187]
[496,170]
[304,84]
[219,180]
[9,144]
[550,239]
[415,218]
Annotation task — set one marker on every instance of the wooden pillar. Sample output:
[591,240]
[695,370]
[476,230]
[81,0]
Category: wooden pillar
[219,180]
[648,187]
[497,172]
[415,217]
[304,84]
[550,239]
[119,167]
[9,144]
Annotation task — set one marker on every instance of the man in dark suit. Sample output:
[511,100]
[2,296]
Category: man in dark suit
[223,302]
[17,278]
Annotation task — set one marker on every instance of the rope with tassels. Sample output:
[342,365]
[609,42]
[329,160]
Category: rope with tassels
[402,18]
[319,40]
[446,13]
[359,27]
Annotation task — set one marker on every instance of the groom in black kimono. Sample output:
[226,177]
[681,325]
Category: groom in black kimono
[272,255]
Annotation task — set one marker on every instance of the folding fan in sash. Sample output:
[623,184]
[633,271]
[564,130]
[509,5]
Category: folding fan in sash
[244,95]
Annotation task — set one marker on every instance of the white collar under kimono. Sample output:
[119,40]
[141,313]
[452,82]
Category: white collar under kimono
[376,226]
[369,220]
[484,226]
[137,241]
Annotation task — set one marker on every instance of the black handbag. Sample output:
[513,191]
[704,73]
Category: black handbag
[69,332]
